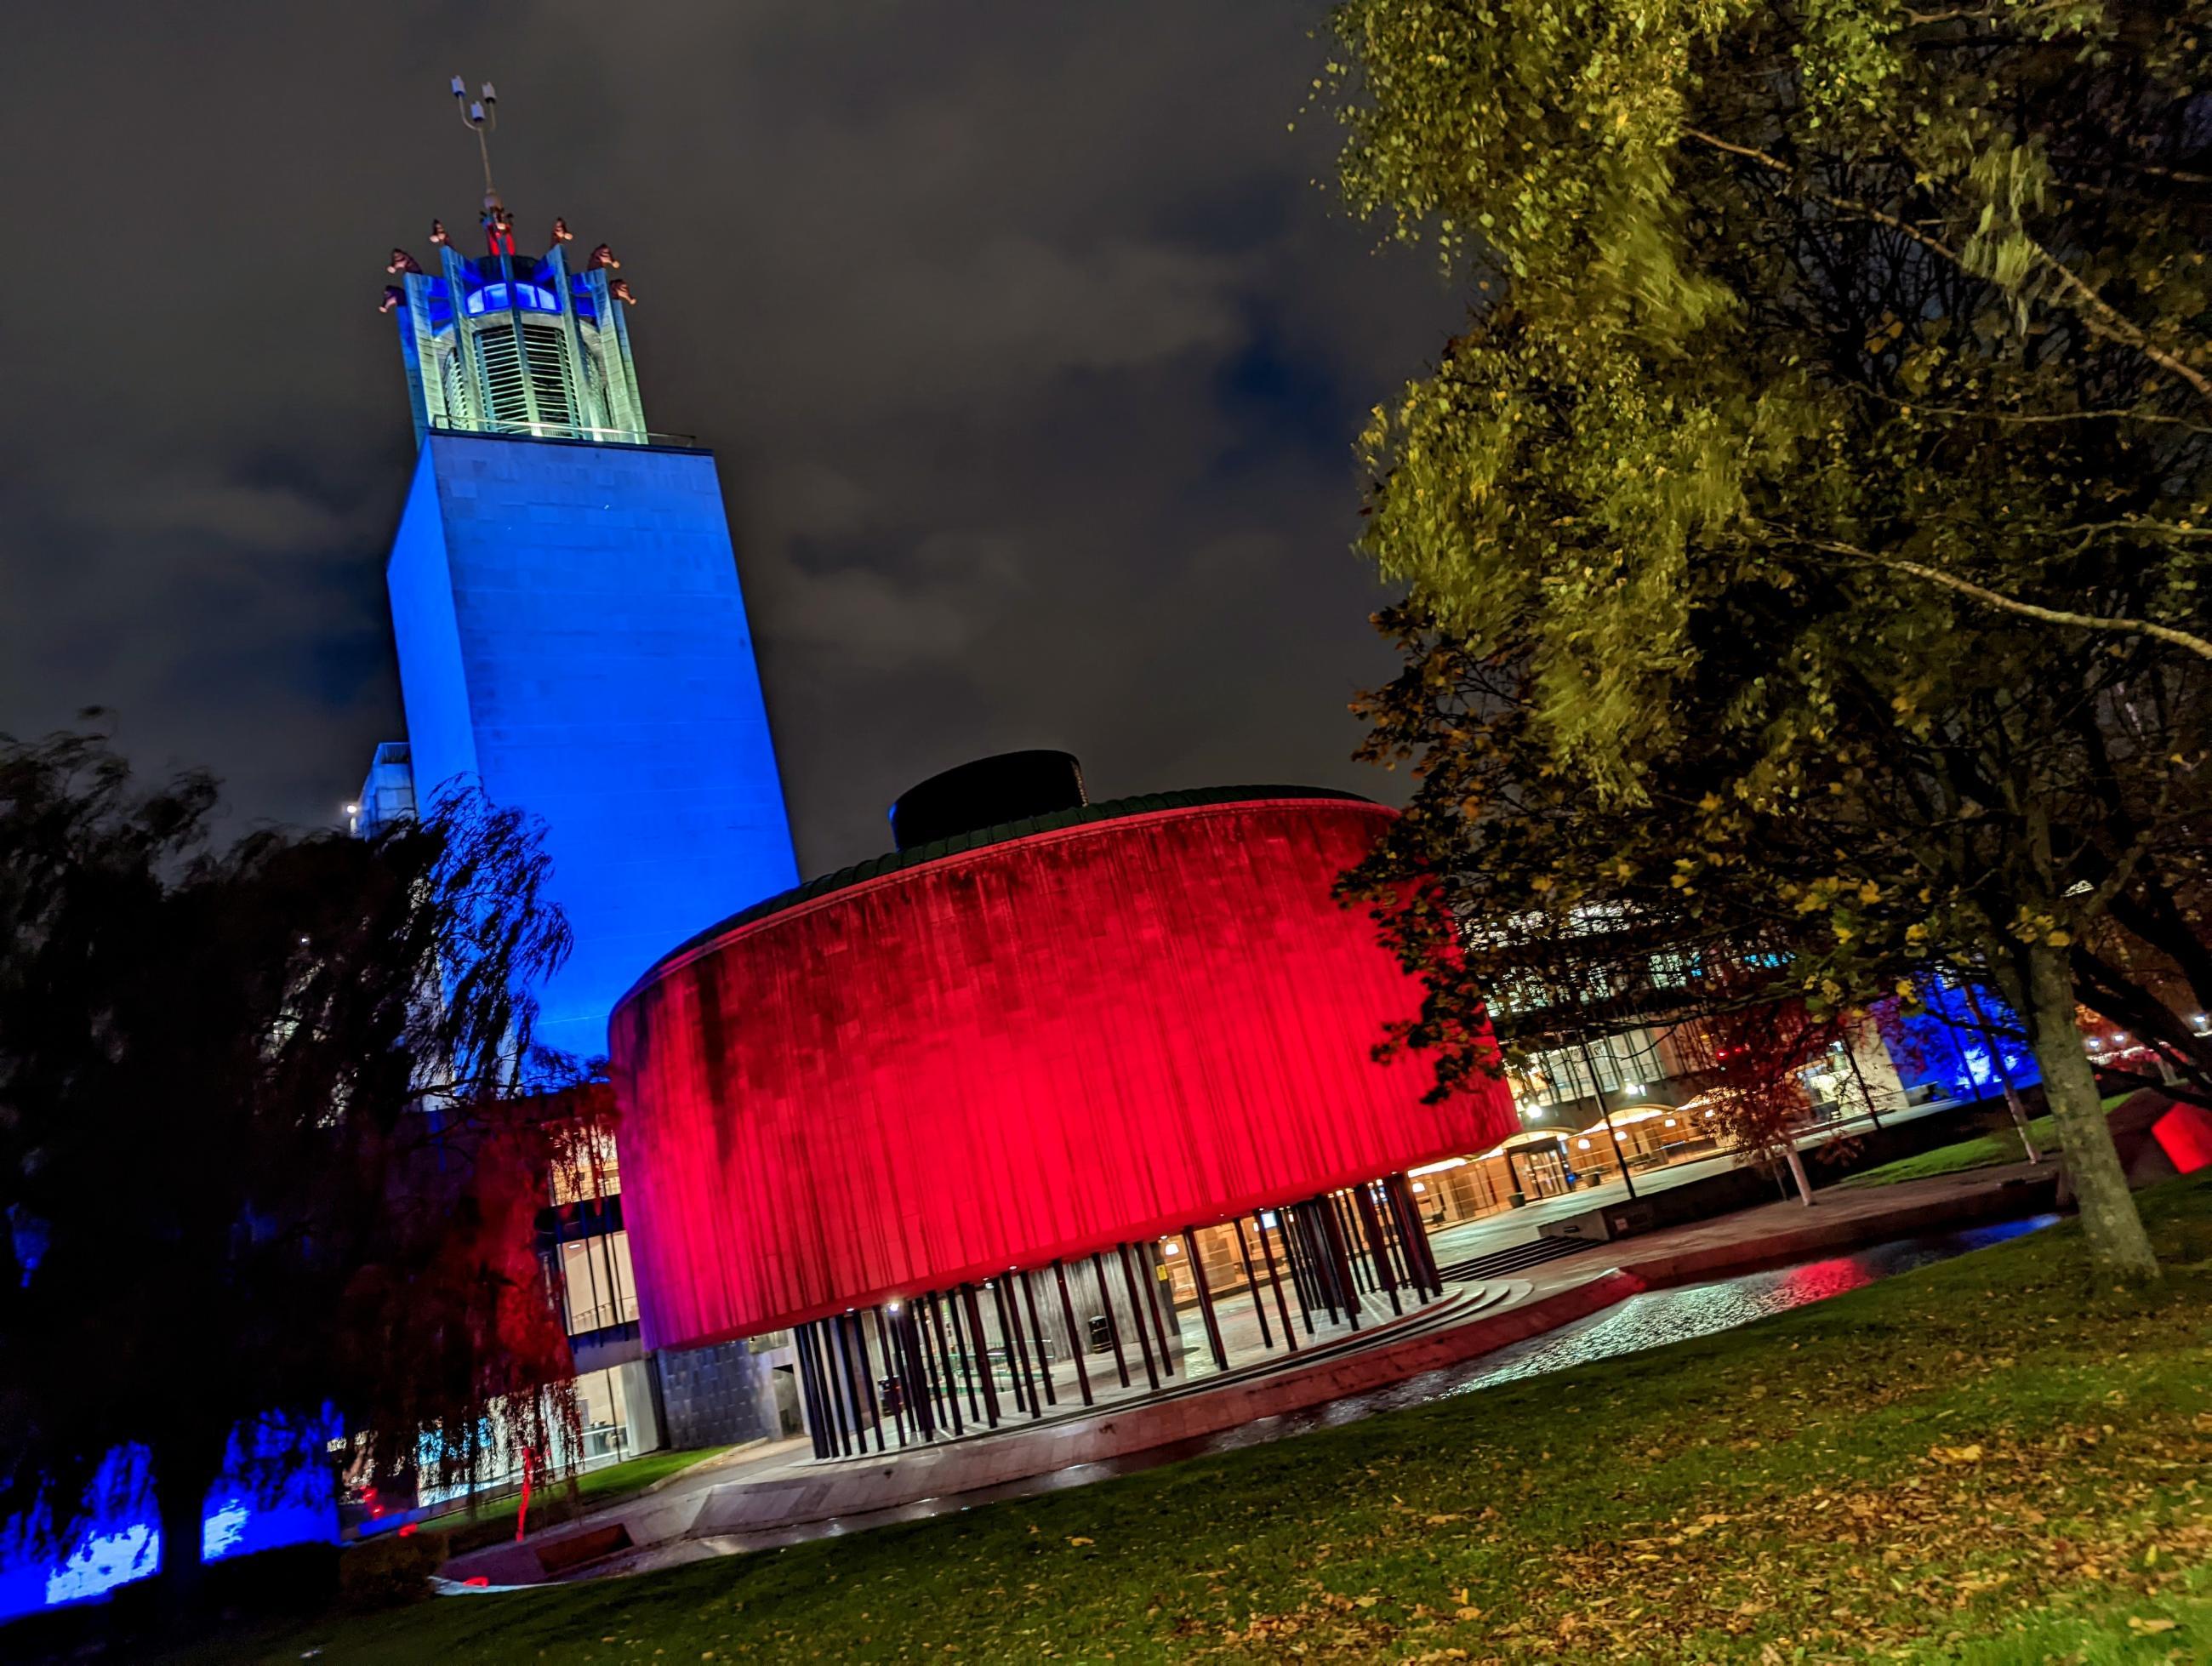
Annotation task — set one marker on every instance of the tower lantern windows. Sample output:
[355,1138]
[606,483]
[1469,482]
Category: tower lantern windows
[511,297]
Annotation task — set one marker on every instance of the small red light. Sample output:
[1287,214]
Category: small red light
[409,1529]
[479,1580]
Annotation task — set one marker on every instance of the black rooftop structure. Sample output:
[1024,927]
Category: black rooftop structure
[1009,786]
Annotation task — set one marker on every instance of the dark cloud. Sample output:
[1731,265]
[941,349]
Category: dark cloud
[1030,351]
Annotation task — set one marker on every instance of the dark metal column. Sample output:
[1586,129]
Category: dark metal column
[1137,1315]
[932,1386]
[914,1342]
[1078,1343]
[815,1422]
[1378,1252]
[1252,1284]
[1013,1309]
[1036,1331]
[982,1355]
[1156,1300]
[868,1383]
[1347,1229]
[1340,1259]
[1275,1281]
[944,1362]
[1397,1220]
[1205,1301]
[1113,1329]
[1394,1236]
[909,1370]
[1017,1376]
[897,1373]
[826,1368]
[963,1354]
[1417,1240]
[1304,1264]
[859,1407]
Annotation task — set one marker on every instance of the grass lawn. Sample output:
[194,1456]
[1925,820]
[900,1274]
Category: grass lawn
[2001,1145]
[1980,1152]
[594,1488]
[1993,1460]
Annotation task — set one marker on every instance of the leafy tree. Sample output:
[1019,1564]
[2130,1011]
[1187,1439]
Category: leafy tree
[1803,543]
[259,1148]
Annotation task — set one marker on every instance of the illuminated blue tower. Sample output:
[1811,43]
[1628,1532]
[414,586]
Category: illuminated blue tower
[571,633]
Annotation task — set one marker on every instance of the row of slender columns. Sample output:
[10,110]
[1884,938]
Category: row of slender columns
[940,1366]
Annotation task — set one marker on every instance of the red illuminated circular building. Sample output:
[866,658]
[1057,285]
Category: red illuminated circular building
[963,1114]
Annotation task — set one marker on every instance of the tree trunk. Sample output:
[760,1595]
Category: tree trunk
[2117,1242]
[2004,1074]
[2019,1120]
[1796,1161]
[183,1474]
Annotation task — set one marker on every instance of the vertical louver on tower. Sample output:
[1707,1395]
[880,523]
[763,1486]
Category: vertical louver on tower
[505,393]
[545,366]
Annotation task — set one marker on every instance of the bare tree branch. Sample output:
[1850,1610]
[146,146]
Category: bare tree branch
[2181,639]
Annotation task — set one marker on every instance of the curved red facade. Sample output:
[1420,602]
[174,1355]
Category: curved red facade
[1033,1049]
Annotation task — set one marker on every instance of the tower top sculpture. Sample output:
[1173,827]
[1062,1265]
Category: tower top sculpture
[510,343]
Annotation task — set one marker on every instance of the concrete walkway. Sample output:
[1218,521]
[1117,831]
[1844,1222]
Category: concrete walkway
[778,1493]
[1465,1240]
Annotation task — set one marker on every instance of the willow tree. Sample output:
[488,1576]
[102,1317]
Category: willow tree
[1802,543]
[263,1152]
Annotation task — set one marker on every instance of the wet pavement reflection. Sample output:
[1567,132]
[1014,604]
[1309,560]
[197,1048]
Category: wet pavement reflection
[1661,1316]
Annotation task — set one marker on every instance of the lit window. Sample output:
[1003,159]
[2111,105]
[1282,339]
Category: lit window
[503,297]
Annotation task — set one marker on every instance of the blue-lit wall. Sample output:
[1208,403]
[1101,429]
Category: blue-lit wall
[572,635]
[276,1491]
[1943,1044]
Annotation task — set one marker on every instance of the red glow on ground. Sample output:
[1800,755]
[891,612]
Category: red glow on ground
[1032,1051]
[1817,1281]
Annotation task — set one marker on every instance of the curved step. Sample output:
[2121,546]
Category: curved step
[1535,1252]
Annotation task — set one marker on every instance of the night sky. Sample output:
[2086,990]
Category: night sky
[1031,350]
